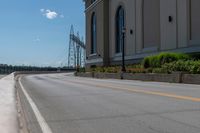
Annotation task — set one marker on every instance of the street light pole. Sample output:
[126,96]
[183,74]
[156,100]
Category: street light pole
[78,60]
[123,49]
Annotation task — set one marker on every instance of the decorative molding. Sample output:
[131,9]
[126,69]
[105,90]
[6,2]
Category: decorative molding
[93,5]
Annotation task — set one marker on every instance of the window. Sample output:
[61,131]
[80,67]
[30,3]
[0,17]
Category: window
[120,24]
[93,34]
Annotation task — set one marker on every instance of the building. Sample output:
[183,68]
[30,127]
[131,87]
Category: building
[151,26]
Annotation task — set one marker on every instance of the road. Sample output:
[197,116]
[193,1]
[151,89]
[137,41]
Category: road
[1,76]
[71,104]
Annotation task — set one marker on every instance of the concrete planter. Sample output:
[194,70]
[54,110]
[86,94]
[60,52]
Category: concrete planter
[172,78]
[107,75]
[176,77]
[87,74]
[191,78]
[137,76]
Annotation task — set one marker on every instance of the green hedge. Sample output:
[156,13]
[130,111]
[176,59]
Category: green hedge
[190,66]
[161,63]
[195,56]
[156,61]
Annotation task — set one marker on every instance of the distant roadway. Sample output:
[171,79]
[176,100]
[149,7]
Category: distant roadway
[62,103]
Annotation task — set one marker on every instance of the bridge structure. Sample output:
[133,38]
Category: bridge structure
[76,53]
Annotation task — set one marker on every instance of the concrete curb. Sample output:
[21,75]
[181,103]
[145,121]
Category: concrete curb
[8,111]
[23,128]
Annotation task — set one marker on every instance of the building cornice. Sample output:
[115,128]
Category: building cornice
[92,5]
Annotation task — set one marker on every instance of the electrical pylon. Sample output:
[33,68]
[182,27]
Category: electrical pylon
[76,55]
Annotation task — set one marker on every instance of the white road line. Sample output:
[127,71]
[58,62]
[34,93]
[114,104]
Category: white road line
[43,124]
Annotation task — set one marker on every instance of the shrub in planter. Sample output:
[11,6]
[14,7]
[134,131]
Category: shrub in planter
[93,67]
[159,70]
[99,69]
[136,70]
[150,61]
[193,67]
[195,56]
[171,57]
[82,70]
[149,70]
[156,61]
[115,69]
[134,66]
[146,62]
[175,66]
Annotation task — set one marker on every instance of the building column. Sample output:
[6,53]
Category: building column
[183,20]
[139,26]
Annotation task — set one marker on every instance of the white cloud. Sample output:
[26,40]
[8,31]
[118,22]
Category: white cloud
[49,14]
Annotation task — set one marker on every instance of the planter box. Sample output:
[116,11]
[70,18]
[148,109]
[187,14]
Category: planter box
[191,78]
[172,78]
[87,74]
[107,75]
[137,76]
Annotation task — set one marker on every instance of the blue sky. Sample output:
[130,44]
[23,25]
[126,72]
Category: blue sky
[35,32]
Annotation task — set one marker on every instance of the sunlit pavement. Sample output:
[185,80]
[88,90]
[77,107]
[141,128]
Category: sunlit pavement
[83,105]
[8,111]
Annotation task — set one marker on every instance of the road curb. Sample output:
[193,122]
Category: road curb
[23,128]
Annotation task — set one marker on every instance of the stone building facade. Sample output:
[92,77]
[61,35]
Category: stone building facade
[151,26]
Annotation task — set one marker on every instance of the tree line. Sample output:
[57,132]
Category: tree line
[6,69]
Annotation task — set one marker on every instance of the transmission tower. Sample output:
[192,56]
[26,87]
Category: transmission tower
[72,50]
[76,57]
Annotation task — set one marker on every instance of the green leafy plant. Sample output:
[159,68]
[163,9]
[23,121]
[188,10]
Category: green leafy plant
[82,69]
[156,61]
[190,66]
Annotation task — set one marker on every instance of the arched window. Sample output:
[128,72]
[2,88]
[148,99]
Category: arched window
[120,24]
[93,34]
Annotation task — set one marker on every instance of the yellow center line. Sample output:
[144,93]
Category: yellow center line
[170,95]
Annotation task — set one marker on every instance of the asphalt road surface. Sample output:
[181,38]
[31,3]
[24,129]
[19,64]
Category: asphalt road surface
[1,76]
[71,104]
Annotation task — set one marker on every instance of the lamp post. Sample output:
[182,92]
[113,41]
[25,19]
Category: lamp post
[78,59]
[123,49]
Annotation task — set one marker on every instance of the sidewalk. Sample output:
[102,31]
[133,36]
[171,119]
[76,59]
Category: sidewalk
[8,113]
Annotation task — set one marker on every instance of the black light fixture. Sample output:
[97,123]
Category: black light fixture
[170,19]
[131,31]
[123,49]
